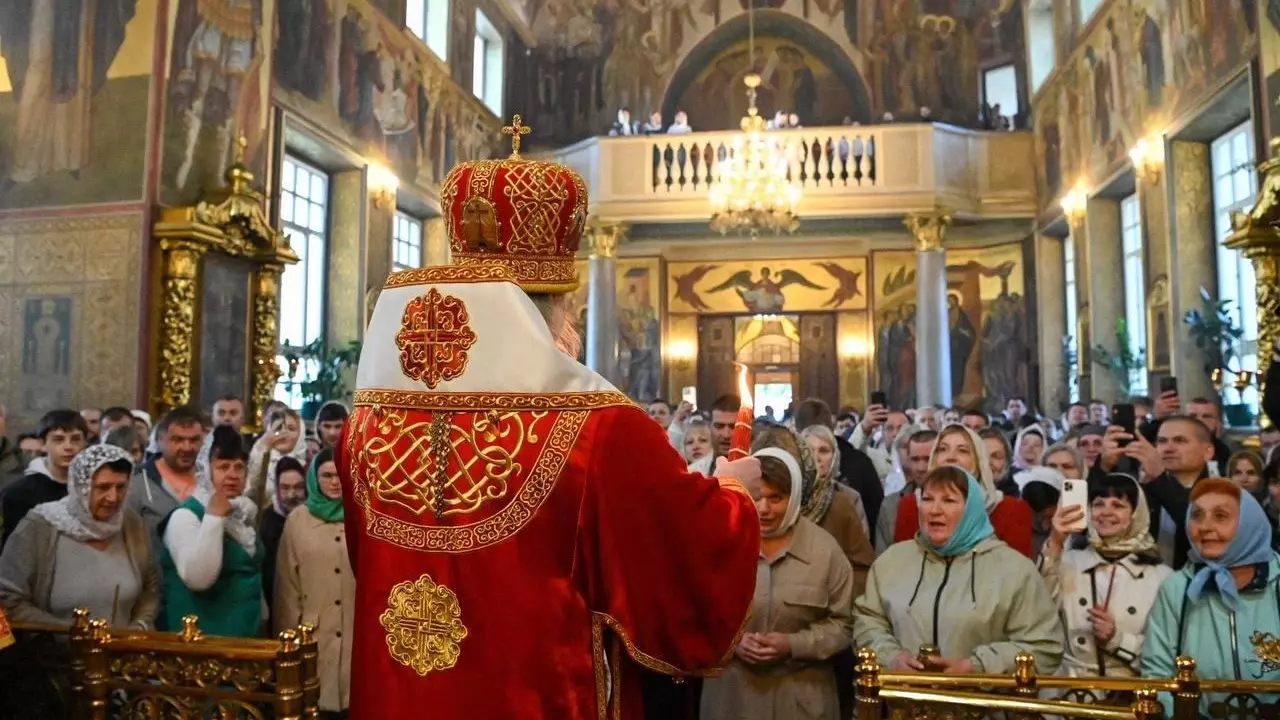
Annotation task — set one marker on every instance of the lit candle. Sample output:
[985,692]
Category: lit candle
[740,445]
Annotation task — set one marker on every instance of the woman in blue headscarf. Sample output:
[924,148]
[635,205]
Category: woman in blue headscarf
[1223,607]
[975,601]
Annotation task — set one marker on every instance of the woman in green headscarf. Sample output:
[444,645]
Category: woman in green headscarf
[314,582]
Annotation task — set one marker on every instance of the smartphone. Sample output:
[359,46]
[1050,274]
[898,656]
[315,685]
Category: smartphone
[879,398]
[1168,384]
[1076,492]
[1124,417]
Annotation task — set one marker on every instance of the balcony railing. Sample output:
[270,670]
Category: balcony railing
[855,171]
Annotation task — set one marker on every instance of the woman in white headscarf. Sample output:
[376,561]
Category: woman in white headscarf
[801,615]
[212,556]
[284,436]
[83,551]
[1105,586]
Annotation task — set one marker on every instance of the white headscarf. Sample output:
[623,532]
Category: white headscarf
[984,474]
[1016,461]
[271,455]
[71,515]
[241,522]
[794,501]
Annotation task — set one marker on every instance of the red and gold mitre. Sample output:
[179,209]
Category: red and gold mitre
[526,215]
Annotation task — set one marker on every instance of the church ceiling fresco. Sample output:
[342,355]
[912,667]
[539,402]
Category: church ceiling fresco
[1143,64]
[593,57]
[72,125]
[768,286]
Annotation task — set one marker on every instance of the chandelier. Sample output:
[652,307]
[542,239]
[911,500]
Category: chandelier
[753,192]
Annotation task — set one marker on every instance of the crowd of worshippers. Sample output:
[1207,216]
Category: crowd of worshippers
[142,526]
[895,530]
[950,541]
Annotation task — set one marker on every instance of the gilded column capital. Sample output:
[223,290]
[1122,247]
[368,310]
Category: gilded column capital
[605,237]
[928,228]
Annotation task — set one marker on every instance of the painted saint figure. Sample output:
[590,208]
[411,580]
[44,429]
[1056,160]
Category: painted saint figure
[44,43]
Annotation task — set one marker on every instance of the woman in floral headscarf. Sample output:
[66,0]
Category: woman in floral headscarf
[826,453]
[83,551]
[1104,587]
[212,556]
[823,503]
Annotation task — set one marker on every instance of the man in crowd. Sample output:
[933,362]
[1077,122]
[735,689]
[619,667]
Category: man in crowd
[229,410]
[914,458]
[329,422]
[724,415]
[1099,412]
[1210,415]
[11,465]
[890,423]
[1077,415]
[114,417]
[93,420]
[63,433]
[975,420]
[168,480]
[1014,409]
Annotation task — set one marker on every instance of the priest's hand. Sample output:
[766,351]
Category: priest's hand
[745,471]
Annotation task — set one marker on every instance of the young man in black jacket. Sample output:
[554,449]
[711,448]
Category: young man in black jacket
[64,434]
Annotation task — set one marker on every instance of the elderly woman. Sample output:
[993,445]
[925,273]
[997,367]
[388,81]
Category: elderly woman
[823,502]
[826,454]
[307,588]
[974,601]
[1227,592]
[800,617]
[1011,517]
[1105,587]
[83,551]
[212,556]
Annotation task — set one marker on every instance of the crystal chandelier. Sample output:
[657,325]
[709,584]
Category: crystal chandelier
[752,192]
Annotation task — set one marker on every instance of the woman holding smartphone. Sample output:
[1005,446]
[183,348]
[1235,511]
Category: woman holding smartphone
[1106,582]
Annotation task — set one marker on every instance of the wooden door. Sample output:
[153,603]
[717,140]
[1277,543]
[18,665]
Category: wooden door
[715,359]
[819,364]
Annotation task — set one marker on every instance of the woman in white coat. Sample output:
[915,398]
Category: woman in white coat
[1104,587]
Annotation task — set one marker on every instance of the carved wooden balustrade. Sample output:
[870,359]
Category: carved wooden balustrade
[937,696]
[842,171]
[89,672]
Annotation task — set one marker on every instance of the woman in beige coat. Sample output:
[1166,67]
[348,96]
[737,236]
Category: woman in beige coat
[799,619]
[314,582]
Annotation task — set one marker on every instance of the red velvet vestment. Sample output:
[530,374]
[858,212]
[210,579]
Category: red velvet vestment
[568,535]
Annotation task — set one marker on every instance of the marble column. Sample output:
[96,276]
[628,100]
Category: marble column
[1051,320]
[602,299]
[378,249]
[1103,276]
[345,284]
[435,244]
[933,329]
[1192,258]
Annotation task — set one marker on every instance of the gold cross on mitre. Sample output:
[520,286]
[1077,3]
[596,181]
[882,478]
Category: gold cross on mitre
[516,129]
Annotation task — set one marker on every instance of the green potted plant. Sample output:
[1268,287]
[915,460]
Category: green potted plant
[1122,363]
[1215,333]
[329,382]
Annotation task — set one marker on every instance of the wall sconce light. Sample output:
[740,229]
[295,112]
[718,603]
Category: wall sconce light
[382,186]
[681,354]
[853,347]
[1148,160]
[1073,205]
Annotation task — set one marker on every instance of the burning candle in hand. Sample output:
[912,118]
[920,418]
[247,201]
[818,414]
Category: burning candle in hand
[740,444]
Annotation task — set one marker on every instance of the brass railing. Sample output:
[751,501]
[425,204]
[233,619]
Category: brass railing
[89,672]
[932,696]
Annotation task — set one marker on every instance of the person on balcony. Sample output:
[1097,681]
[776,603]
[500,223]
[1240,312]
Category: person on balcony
[623,125]
[959,446]
[212,555]
[314,582]
[1104,587]
[975,603]
[681,124]
[653,126]
[1223,607]
[800,616]
[83,551]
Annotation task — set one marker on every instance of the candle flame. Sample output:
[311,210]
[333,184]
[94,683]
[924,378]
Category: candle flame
[744,390]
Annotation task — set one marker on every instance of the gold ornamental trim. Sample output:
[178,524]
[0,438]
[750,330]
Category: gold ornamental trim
[419,400]
[650,662]
[502,525]
[424,626]
[451,274]
[532,273]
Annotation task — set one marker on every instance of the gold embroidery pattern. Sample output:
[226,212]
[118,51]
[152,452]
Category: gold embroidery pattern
[598,661]
[448,274]
[435,335]
[652,663]
[491,401]
[429,464]
[532,274]
[481,181]
[503,524]
[424,626]
[537,193]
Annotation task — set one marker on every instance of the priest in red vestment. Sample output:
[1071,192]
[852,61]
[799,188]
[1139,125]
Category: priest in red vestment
[524,537]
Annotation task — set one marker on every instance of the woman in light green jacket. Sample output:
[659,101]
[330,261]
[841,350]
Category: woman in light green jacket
[974,601]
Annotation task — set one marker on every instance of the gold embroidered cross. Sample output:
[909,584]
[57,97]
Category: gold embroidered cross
[516,129]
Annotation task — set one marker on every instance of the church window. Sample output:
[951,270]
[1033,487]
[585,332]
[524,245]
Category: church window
[304,217]
[1000,87]
[1231,158]
[429,20]
[408,242]
[1073,318]
[1135,287]
[1042,50]
[1087,10]
[488,59]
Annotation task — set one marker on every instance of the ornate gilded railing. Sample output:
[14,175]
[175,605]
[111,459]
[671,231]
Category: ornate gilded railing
[937,696]
[89,672]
